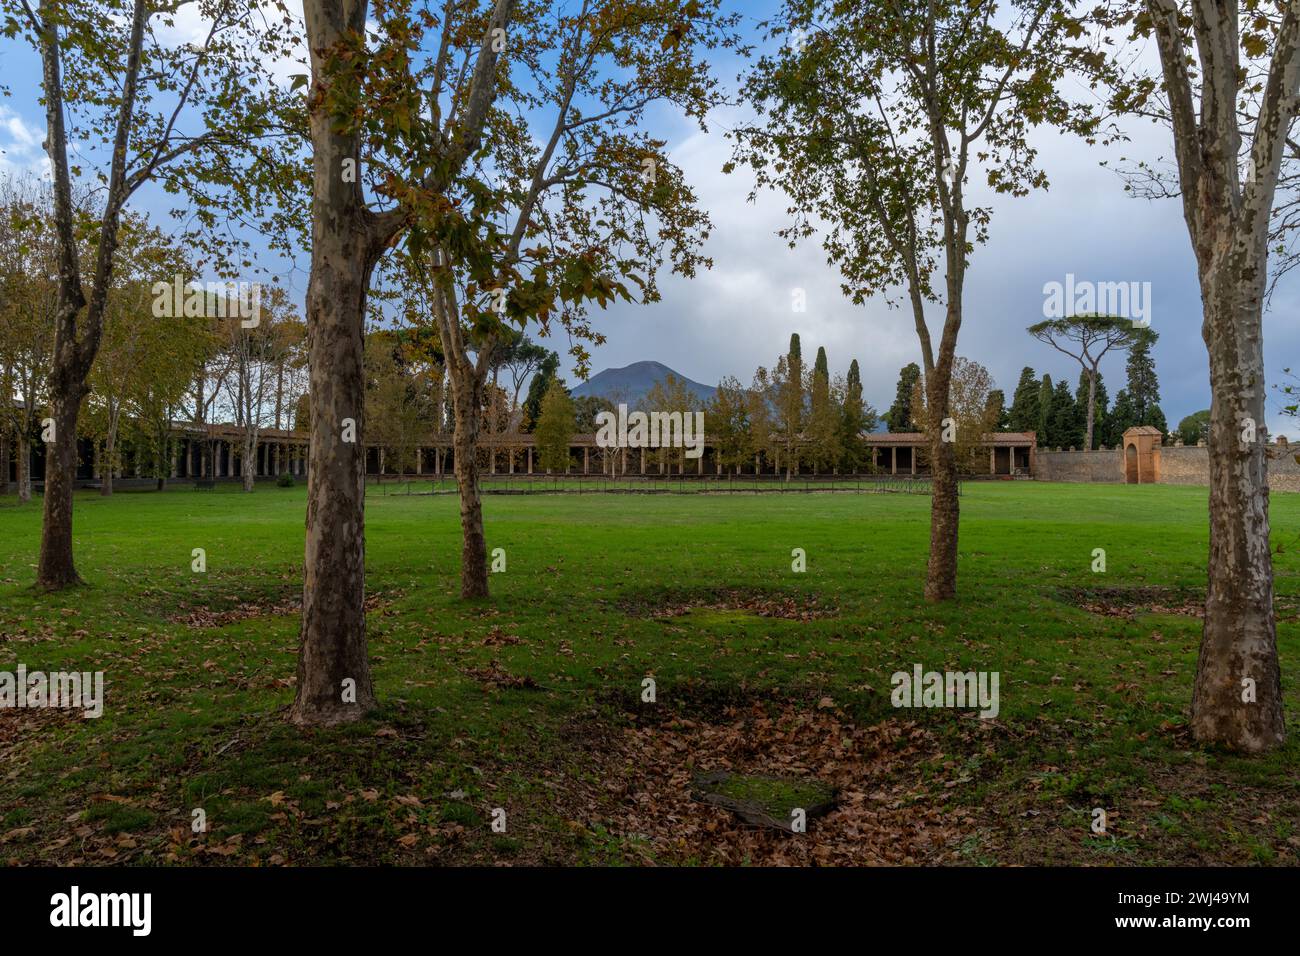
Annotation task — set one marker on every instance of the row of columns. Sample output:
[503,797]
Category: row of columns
[274,459]
[682,466]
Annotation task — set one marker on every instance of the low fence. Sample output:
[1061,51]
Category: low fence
[657,485]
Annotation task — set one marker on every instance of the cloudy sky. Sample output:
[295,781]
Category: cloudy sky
[739,315]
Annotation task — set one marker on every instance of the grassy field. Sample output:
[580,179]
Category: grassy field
[532,703]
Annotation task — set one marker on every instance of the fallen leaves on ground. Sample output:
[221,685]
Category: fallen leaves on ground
[646,772]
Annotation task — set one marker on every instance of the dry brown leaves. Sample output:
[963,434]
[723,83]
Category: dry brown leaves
[202,616]
[786,607]
[494,676]
[647,774]
[1129,602]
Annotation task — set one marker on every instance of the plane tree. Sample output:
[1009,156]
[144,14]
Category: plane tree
[504,151]
[127,104]
[873,118]
[1228,90]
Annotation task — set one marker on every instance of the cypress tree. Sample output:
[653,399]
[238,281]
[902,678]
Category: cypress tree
[1144,388]
[1064,426]
[899,416]
[1045,393]
[1026,411]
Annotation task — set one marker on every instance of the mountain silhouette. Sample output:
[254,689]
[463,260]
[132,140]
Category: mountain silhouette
[631,383]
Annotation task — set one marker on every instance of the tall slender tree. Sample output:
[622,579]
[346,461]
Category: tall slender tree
[1025,410]
[508,149]
[348,238]
[871,118]
[899,418]
[1092,391]
[109,77]
[1045,392]
[857,420]
[793,394]
[1144,388]
[1229,90]
[555,427]
[823,426]
[727,415]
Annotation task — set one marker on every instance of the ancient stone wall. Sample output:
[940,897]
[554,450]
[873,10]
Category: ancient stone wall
[1092,466]
[1179,465]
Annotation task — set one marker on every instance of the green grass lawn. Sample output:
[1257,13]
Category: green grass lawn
[532,703]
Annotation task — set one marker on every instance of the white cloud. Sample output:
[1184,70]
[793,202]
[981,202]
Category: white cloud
[20,146]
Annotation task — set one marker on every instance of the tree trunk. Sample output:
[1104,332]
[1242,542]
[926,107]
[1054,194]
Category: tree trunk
[250,461]
[106,480]
[334,683]
[1237,699]
[473,554]
[333,638]
[167,454]
[1092,408]
[941,568]
[57,569]
[25,468]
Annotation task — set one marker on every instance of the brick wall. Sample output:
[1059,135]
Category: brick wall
[1094,466]
[1189,465]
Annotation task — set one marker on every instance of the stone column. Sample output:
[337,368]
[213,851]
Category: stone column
[530,459]
[914,459]
[643,461]
[993,460]
[893,459]
[586,460]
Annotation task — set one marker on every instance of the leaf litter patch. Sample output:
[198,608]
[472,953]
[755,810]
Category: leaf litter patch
[1128,603]
[495,677]
[224,611]
[721,605]
[719,789]
[763,800]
